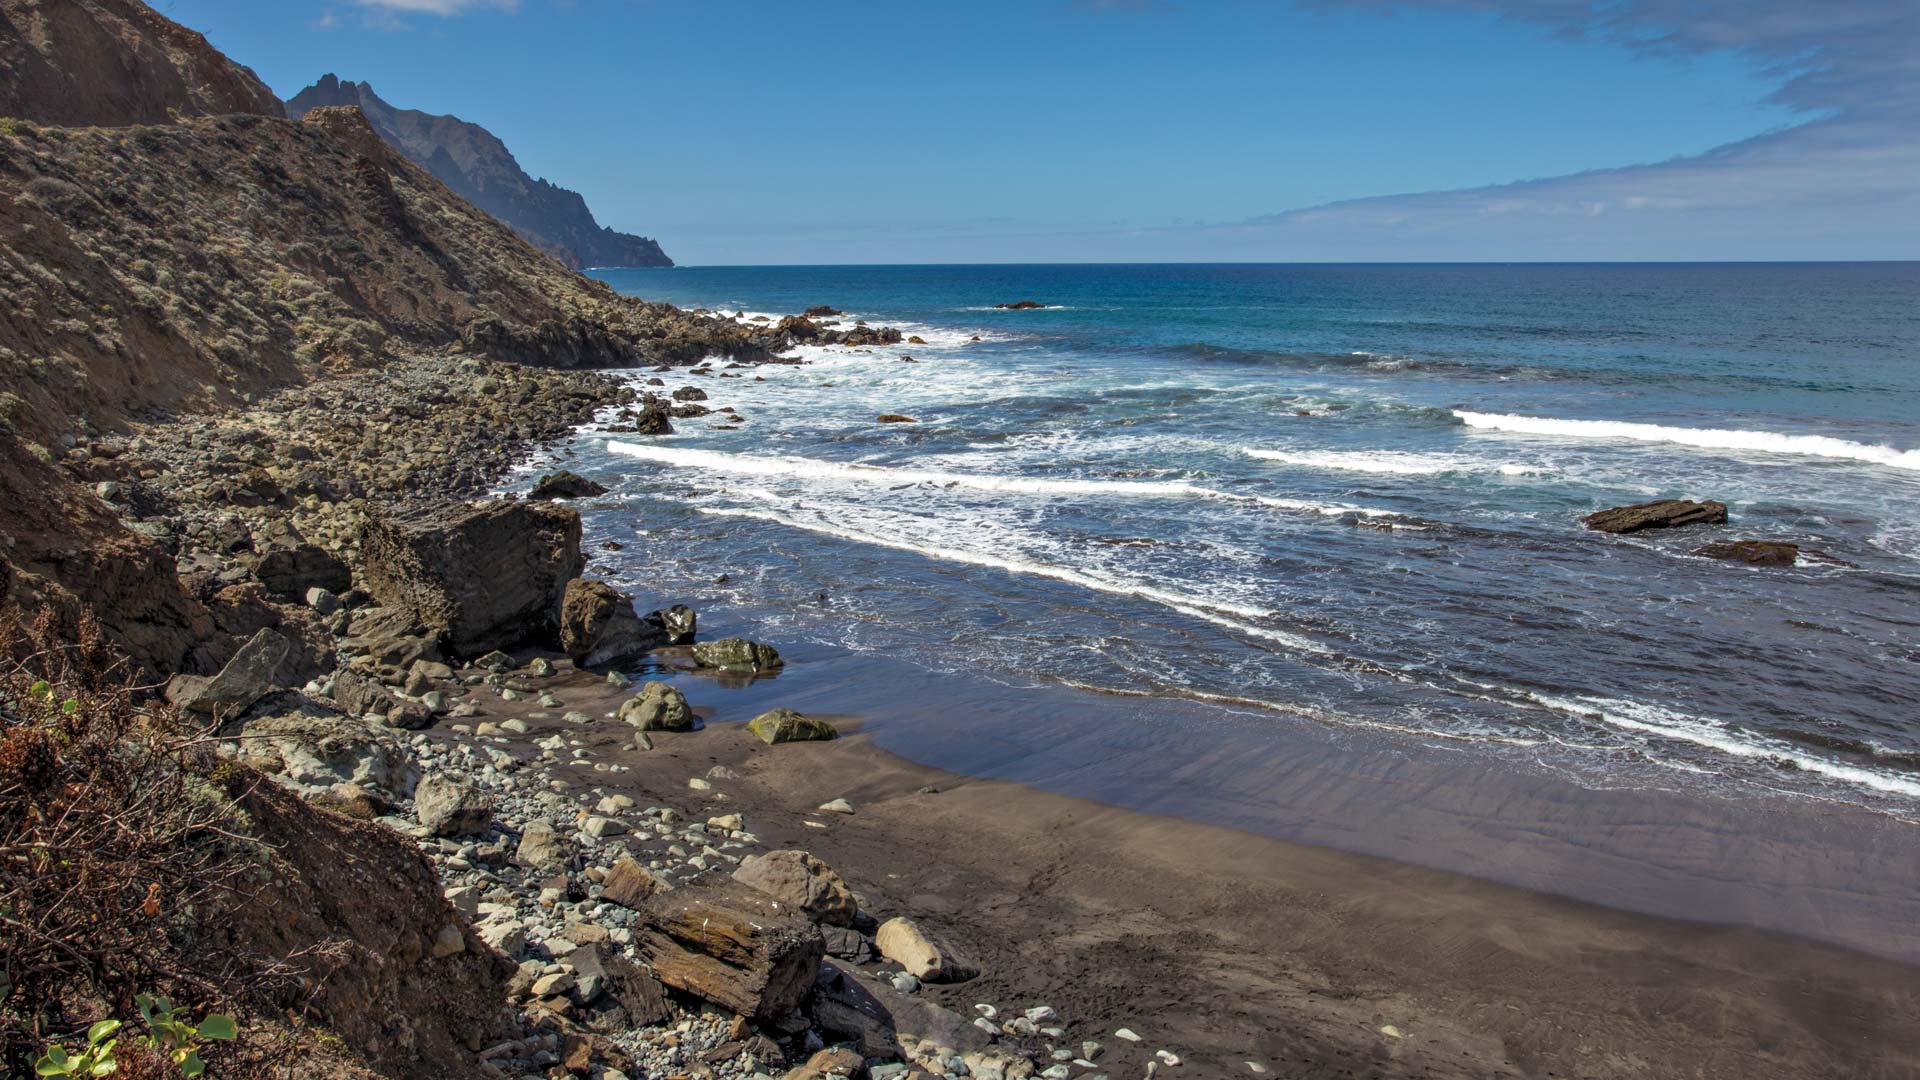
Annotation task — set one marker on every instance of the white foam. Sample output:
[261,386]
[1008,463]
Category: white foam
[1368,461]
[1769,442]
[1208,610]
[814,469]
[1716,735]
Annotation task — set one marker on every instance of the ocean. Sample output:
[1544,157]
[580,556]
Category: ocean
[1332,498]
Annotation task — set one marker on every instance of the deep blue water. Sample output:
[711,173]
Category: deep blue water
[1341,496]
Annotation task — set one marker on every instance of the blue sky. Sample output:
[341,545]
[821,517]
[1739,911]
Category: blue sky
[1080,130]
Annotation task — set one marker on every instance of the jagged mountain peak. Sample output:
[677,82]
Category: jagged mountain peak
[476,164]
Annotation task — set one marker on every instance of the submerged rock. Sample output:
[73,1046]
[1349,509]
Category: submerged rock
[1658,514]
[1755,552]
[1021,305]
[565,485]
[785,725]
[896,418]
[737,654]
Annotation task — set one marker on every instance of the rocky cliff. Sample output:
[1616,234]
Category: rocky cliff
[112,62]
[478,166]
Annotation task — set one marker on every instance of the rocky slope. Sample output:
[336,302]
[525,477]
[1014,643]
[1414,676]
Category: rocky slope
[478,166]
[158,269]
[84,62]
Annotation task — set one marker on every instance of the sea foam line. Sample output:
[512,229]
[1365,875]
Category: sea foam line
[1770,442]
[1716,735]
[811,468]
[1213,611]
[1385,461]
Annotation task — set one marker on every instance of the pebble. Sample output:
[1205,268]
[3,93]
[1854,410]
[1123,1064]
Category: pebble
[837,806]
[1127,1034]
[698,784]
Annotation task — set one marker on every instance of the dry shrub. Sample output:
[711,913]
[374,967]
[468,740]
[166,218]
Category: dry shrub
[119,843]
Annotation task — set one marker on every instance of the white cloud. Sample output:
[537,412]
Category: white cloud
[1845,182]
[440,7]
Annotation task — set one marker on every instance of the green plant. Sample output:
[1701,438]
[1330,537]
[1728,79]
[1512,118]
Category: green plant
[168,1035]
[94,1059]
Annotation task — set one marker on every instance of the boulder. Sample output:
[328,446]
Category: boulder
[294,737]
[598,625]
[451,807]
[1659,514]
[658,707]
[730,945]
[245,679]
[785,725]
[833,1063]
[564,485]
[483,576]
[678,622]
[689,393]
[799,880]
[847,1010]
[737,655]
[627,996]
[821,311]
[1755,552]
[652,419]
[1021,305]
[543,848]
[358,695]
[291,571]
[629,884]
[925,955]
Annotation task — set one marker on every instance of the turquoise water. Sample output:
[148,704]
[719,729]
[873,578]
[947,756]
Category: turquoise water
[1344,496]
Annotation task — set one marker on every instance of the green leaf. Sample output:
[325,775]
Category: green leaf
[216,1026]
[101,1030]
[191,1065]
[106,1068]
[42,690]
[144,1002]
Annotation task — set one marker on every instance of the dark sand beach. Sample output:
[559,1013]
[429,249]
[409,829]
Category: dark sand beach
[1235,947]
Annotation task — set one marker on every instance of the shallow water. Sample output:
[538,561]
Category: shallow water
[1339,497]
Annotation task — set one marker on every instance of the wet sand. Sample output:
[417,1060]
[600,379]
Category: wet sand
[1233,947]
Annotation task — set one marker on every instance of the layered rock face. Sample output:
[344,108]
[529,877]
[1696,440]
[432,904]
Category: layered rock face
[478,166]
[482,576]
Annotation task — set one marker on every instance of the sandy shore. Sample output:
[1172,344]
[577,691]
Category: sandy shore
[1234,948]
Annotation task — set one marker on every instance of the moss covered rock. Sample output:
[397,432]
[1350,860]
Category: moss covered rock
[785,725]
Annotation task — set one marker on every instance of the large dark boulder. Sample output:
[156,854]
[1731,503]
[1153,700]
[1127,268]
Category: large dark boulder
[1659,514]
[565,485]
[479,576]
[598,625]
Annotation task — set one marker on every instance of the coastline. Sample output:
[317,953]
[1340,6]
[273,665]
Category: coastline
[1233,947]
[1233,944]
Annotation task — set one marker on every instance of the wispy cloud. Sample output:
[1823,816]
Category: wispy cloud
[439,7]
[1842,181]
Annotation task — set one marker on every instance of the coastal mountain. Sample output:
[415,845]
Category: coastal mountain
[81,63]
[478,166]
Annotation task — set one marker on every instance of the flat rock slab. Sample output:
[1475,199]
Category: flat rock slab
[1658,514]
[730,945]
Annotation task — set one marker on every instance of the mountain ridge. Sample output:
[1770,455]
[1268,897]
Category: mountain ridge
[477,165]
